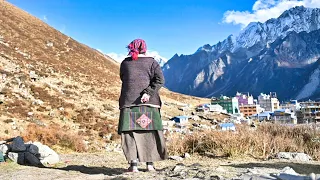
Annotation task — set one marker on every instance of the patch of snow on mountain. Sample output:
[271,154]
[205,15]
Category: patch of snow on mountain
[312,86]
[297,19]
[218,69]
[199,79]
[166,67]
[228,59]
[311,60]
[161,60]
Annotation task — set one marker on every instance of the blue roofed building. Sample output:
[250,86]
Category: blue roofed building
[227,126]
[181,119]
[264,116]
[284,116]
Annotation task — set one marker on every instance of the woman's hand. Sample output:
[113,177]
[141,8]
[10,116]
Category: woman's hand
[145,98]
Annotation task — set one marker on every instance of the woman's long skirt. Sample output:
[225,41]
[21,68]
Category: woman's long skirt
[145,146]
[142,134]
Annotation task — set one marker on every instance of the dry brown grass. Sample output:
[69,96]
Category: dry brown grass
[18,107]
[54,136]
[54,101]
[91,122]
[264,142]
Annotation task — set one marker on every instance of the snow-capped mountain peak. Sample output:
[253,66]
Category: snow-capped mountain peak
[296,19]
[161,60]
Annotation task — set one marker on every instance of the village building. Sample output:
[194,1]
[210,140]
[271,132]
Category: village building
[317,118]
[310,103]
[202,108]
[244,99]
[250,109]
[292,105]
[247,105]
[216,108]
[263,116]
[227,126]
[310,111]
[238,118]
[283,116]
[210,108]
[300,119]
[269,102]
[181,119]
[231,105]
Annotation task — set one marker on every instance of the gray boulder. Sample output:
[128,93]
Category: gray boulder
[47,155]
[284,155]
[302,157]
[255,177]
[288,173]
[283,176]
[289,170]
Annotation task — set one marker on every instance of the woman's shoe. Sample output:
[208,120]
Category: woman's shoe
[150,167]
[133,169]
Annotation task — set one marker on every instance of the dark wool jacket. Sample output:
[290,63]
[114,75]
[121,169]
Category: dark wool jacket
[138,77]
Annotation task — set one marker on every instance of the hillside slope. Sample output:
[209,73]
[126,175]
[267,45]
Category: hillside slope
[48,78]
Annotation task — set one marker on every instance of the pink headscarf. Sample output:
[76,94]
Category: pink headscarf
[136,47]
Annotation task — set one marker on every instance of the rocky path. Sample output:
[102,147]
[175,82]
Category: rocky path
[112,165]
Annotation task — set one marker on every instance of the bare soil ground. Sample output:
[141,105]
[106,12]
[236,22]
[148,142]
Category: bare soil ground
[112,165]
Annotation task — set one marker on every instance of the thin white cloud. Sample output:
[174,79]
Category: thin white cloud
[45,18]
[262,10]
[117,57]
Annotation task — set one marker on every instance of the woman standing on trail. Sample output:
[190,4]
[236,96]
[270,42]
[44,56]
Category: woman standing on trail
[140,124]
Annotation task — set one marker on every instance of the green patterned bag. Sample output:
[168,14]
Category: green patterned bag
[139,118]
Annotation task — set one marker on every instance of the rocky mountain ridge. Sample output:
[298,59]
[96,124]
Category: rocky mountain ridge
[279,55]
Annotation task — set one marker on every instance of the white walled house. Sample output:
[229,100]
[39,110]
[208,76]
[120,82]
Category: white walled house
[269,102]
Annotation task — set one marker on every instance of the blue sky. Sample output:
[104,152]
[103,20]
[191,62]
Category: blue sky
[168,26]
